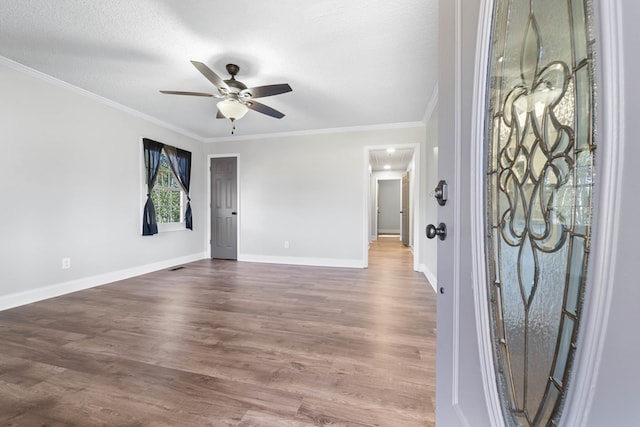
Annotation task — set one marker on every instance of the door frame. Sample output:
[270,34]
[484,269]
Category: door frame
[405,204]
[208,236]
[415,198]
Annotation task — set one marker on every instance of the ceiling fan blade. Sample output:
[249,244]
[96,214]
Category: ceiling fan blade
[179,92]
[268,90]
[211,76]
[261,108]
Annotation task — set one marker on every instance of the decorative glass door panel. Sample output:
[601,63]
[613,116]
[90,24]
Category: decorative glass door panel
[540,147]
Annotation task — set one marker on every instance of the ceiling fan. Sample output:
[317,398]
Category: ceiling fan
[236,97]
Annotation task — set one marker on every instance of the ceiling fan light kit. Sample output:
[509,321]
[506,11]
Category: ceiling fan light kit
[236,97]
[232,109]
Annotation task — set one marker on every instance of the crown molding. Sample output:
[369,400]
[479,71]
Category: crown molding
[311,132]
[100,99]
[431,106]
[136,113]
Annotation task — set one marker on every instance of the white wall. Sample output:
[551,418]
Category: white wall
[71,188]
[310,190]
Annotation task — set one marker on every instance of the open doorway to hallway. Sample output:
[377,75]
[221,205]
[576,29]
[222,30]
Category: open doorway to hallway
[393,195]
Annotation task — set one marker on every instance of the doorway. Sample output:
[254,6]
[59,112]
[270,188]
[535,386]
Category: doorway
[404,162]
[389,207]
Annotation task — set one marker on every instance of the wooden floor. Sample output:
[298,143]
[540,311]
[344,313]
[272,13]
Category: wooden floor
[221,343]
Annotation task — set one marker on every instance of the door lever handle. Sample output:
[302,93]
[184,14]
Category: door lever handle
[234,213]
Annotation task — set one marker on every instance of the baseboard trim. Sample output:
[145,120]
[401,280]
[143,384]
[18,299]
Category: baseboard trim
[314,262]
[27,297]
[432,278]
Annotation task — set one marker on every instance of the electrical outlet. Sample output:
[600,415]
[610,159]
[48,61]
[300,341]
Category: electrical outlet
[66,263]
[286,244]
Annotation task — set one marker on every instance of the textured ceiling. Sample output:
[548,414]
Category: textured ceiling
[350,63]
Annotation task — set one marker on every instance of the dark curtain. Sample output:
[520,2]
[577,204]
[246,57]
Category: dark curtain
[152,150]
[180,161]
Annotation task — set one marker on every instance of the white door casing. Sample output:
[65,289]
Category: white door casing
[405,209]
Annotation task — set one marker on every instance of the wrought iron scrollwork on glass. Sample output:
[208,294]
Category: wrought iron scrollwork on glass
[540,148]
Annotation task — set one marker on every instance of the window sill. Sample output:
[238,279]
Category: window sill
[171,226]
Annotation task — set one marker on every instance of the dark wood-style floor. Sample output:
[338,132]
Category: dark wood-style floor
[221,343]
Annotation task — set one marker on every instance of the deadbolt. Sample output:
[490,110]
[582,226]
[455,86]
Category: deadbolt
[440,193]
[440,231]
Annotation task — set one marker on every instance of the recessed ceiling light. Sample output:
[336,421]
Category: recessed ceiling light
[387,167]
[391,150]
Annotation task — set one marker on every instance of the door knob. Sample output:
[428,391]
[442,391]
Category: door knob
[440,231]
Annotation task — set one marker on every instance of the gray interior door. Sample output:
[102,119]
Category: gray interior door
[224,205]
[389,206]
[405,209]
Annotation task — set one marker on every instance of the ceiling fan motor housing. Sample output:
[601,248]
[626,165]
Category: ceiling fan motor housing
[233,70]
[235,85]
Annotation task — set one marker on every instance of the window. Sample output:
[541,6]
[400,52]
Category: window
[167,195]
[167,178]
[540,154]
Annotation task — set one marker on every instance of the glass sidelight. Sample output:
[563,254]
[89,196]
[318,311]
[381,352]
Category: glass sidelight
[539,162]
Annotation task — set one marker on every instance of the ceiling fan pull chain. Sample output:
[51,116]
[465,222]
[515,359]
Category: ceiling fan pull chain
[233,129]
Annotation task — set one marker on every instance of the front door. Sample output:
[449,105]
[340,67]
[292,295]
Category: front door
[224,205]
[544,110]
[459,385]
